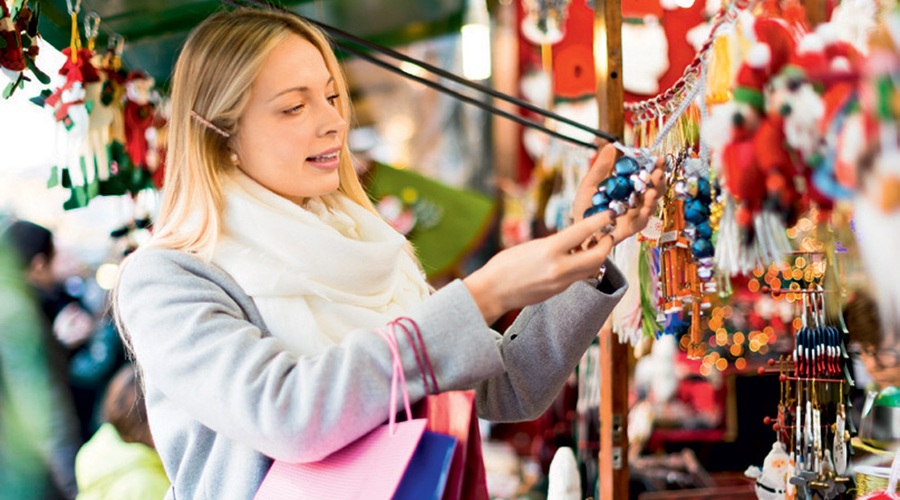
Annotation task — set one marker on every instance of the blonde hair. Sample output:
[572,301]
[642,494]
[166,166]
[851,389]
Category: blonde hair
[217,65]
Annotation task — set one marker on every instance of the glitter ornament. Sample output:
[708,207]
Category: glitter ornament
[623,189]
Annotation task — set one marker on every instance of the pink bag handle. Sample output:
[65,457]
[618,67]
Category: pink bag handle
[396,375]
[412,342]
[402,322]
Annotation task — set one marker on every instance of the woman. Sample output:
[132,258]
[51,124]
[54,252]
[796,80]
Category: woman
[251,313]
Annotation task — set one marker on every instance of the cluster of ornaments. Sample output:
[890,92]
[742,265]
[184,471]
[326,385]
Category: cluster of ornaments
[818,352]
[622,191]
[696,193]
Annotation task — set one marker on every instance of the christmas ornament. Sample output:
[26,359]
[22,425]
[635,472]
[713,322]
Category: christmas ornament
[18,45]
[628,181]
[75,167]
[772,478]
[139,111]
[645,52]
[545,20]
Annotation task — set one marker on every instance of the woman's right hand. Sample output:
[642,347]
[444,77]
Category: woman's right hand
[538,269]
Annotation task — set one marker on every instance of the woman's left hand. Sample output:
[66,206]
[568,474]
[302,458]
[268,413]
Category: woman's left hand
[633,220]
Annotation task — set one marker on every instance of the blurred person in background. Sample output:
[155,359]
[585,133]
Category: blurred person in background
[120,462]
[91,348]
[38,427]
[881,362]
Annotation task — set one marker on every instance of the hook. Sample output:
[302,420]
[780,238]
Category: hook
[73,10]
[91,25]
[116,44]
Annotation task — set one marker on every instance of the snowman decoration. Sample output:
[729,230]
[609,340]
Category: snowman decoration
[772,480]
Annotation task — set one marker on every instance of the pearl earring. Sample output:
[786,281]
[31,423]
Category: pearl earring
[233,157]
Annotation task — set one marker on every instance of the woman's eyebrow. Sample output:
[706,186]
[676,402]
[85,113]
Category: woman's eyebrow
[302,89]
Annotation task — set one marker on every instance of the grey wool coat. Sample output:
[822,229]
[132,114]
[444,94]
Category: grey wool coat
[224,398]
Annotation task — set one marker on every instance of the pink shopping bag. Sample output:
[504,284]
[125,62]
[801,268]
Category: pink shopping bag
[371,467]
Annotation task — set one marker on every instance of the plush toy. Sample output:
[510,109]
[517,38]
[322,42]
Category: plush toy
[741,173]
[139,111]
[18,45]
[843,128]
[760,176]
[72,167]
[157,141]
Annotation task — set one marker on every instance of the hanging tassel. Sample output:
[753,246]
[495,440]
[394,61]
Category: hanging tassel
[648,272]
[718,78]
[626,318]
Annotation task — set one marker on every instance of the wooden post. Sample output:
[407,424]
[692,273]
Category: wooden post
[613,476]
[608,64]
[506,133]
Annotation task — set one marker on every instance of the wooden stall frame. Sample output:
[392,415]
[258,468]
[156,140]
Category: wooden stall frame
[613,460]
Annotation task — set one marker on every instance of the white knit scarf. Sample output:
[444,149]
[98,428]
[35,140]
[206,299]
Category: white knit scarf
[315,273]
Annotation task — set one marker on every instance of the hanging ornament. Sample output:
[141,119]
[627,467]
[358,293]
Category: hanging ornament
[18,45]
[695,191]
[98,141]
[139,110]
[645,50]
[623,190]
[772,478]
[685,278]
[73,168]
[545,20]
[762,179]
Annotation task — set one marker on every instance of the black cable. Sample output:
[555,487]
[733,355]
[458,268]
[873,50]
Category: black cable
[443,73]
[462,97]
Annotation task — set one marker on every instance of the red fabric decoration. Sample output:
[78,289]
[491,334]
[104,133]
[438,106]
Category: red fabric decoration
[813,64]
[138,118]
[11,57]
[81,70]
[573,56]
[573,72]
[779,167]
[641,8]
[743,174]
[775,34]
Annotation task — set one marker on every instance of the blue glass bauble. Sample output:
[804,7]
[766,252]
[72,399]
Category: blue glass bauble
[696,212]
[626,166]
[704,230]
[702,248]
[600,199]
[618,188]
[596,209]
[704,192]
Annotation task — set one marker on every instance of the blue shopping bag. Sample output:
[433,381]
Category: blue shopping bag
[426,475]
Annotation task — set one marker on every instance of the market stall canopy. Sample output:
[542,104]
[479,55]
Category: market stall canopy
[154,31]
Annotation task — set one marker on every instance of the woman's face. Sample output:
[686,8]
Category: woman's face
[882,367]
[290,134]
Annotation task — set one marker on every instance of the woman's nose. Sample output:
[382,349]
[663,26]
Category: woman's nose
[332,121]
